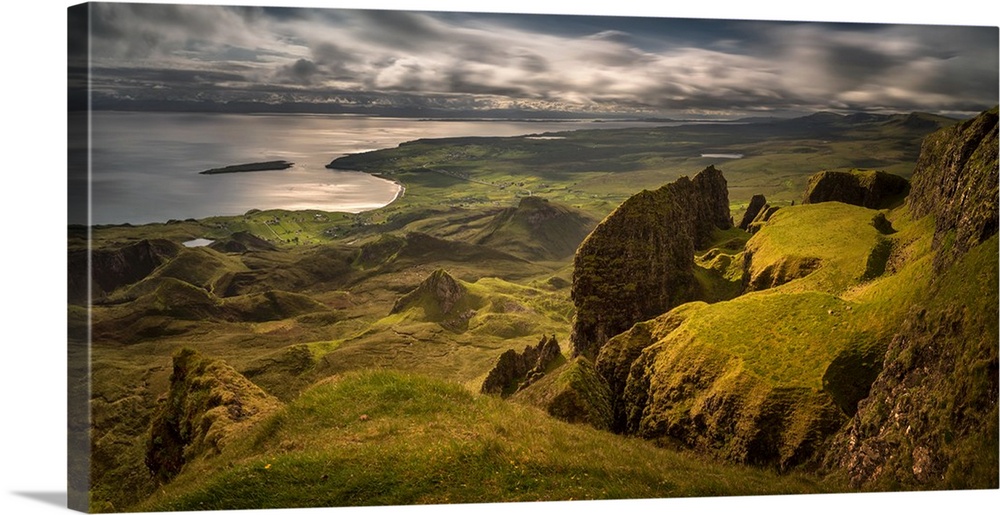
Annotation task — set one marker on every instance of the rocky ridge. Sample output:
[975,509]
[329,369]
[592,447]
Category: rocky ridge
[956,181]
[514,370]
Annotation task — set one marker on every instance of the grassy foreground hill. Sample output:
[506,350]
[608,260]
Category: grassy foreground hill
[370,335]
[389,438]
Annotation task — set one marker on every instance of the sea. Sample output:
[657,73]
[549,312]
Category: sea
[144,167]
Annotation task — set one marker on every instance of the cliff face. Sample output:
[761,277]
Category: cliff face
[874,189]
[638,263]
[930,420]
[757,203]
[956,181]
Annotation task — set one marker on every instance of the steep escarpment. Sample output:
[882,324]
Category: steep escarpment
[956,181]
[930,420]
[741,380]
[638,263]
[853,356]
[871,189]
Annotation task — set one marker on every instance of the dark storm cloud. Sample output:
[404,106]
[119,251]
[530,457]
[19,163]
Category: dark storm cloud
[548,62]
[301,71]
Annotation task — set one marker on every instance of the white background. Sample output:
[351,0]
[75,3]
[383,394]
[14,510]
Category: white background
[33,253]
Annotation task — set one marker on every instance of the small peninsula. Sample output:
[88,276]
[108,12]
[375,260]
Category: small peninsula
[250,167]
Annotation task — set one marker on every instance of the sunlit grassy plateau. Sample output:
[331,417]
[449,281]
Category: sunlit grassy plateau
[370,389]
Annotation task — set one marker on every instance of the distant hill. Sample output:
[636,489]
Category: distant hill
[538,229]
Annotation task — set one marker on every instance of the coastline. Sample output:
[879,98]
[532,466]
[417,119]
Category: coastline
[400,189]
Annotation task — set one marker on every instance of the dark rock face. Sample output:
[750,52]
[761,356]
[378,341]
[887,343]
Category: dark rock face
[757,203]
[874,190]
[710,205]
[930,420]
[111,269]
[516,370]
[956,181]
[638,263]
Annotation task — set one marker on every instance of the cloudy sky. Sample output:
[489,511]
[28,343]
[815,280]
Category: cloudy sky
[600,64]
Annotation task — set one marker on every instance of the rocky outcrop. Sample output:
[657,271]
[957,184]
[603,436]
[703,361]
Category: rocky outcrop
[956,181]
[574,392]
[638,263]
[757,203]
[871,189]
[208,403]
[537,229]
[514,370]
[111,269]
[930,419]
[437,294]
[763,215]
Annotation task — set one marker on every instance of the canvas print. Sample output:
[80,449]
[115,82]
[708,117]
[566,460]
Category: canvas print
[339,257]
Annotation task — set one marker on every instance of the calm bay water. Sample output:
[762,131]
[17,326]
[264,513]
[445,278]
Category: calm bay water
[145,165]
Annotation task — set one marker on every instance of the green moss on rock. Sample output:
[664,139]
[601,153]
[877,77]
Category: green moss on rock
[208,404]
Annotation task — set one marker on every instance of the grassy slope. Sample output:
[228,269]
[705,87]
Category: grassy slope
[435,442]
[494,315]
[770,362]
[790,332]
